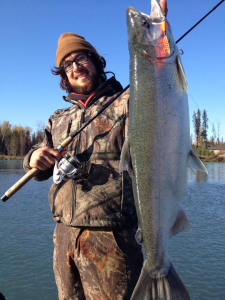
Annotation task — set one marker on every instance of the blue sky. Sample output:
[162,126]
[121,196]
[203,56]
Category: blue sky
[30,29]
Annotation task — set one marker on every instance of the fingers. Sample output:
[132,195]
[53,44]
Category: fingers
[43,158]
[163,4]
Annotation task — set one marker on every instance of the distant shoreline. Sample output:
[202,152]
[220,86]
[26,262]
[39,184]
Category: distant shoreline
[216,158]
[204,158]
[9,157]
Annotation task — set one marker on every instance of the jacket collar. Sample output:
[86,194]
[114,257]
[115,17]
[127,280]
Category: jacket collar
[107,88]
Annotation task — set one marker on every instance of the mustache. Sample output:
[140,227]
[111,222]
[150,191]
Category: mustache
[81,69]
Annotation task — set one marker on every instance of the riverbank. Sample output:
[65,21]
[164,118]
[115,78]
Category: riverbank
[8,157]
[204,158]
[212,158]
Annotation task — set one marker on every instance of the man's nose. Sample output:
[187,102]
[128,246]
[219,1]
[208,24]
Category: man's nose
[76,66]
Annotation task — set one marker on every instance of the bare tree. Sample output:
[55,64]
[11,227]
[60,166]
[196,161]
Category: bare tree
[214,135]
[40,126]
[218,132]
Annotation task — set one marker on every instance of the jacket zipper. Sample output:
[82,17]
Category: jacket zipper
[74,183]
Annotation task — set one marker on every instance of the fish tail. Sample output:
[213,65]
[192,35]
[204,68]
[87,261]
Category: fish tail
[169,287]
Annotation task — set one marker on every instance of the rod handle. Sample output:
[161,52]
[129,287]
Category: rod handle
[66,142]
[19,184]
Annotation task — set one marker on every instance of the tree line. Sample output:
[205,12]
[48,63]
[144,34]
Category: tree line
[18,140]
[202,138]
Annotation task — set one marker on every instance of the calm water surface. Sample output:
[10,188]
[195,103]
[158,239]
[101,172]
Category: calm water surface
[26,228]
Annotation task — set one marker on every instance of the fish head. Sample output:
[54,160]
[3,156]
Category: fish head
[150,35]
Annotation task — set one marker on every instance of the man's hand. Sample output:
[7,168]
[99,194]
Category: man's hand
[163,4]
[43,158]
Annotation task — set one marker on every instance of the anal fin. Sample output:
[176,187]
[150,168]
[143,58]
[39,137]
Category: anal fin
[181,223]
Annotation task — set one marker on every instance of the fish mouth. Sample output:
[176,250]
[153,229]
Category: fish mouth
[155,18]
[145,33]
[132,10]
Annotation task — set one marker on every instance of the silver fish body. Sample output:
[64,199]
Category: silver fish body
[157,150]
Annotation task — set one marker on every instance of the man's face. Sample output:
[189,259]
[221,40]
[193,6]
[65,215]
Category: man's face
[83,78]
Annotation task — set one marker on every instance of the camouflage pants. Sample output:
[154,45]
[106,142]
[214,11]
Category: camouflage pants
[95,264]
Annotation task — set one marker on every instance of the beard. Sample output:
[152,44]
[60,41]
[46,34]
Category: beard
[89,85]
[88,88]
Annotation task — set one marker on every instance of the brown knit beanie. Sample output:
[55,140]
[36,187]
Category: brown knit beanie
[70,42]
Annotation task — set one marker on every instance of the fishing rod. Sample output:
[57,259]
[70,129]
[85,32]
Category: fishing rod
[68,140]
[34,171]
[199,21]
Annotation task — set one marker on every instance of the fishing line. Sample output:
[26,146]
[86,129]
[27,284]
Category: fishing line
[197,24]
[189,32]
[199,21]
[199,108]
[66,142]
[194,100]
[186,33]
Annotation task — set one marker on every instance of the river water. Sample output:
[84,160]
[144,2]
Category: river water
[26,228]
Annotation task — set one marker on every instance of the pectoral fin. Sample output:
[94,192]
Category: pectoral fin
[139,237]
[194,162]
[125,158]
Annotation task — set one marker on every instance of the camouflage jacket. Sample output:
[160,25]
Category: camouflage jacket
[105,197]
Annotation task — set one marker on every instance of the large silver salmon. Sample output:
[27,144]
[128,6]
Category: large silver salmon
[157,150]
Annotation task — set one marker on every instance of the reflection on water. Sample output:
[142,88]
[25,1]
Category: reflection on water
[26,229]
[11,164]
[216,172]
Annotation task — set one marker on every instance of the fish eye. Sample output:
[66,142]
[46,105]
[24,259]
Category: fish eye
[144,23]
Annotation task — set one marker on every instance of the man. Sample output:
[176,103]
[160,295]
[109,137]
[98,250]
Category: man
[2,297]
[96,255]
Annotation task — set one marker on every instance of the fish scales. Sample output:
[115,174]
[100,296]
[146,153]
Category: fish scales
[157,150]
[156,133]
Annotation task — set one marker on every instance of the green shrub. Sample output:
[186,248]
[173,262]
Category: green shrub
[203,151]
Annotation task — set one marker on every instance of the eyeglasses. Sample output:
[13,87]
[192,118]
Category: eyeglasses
[79,59]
